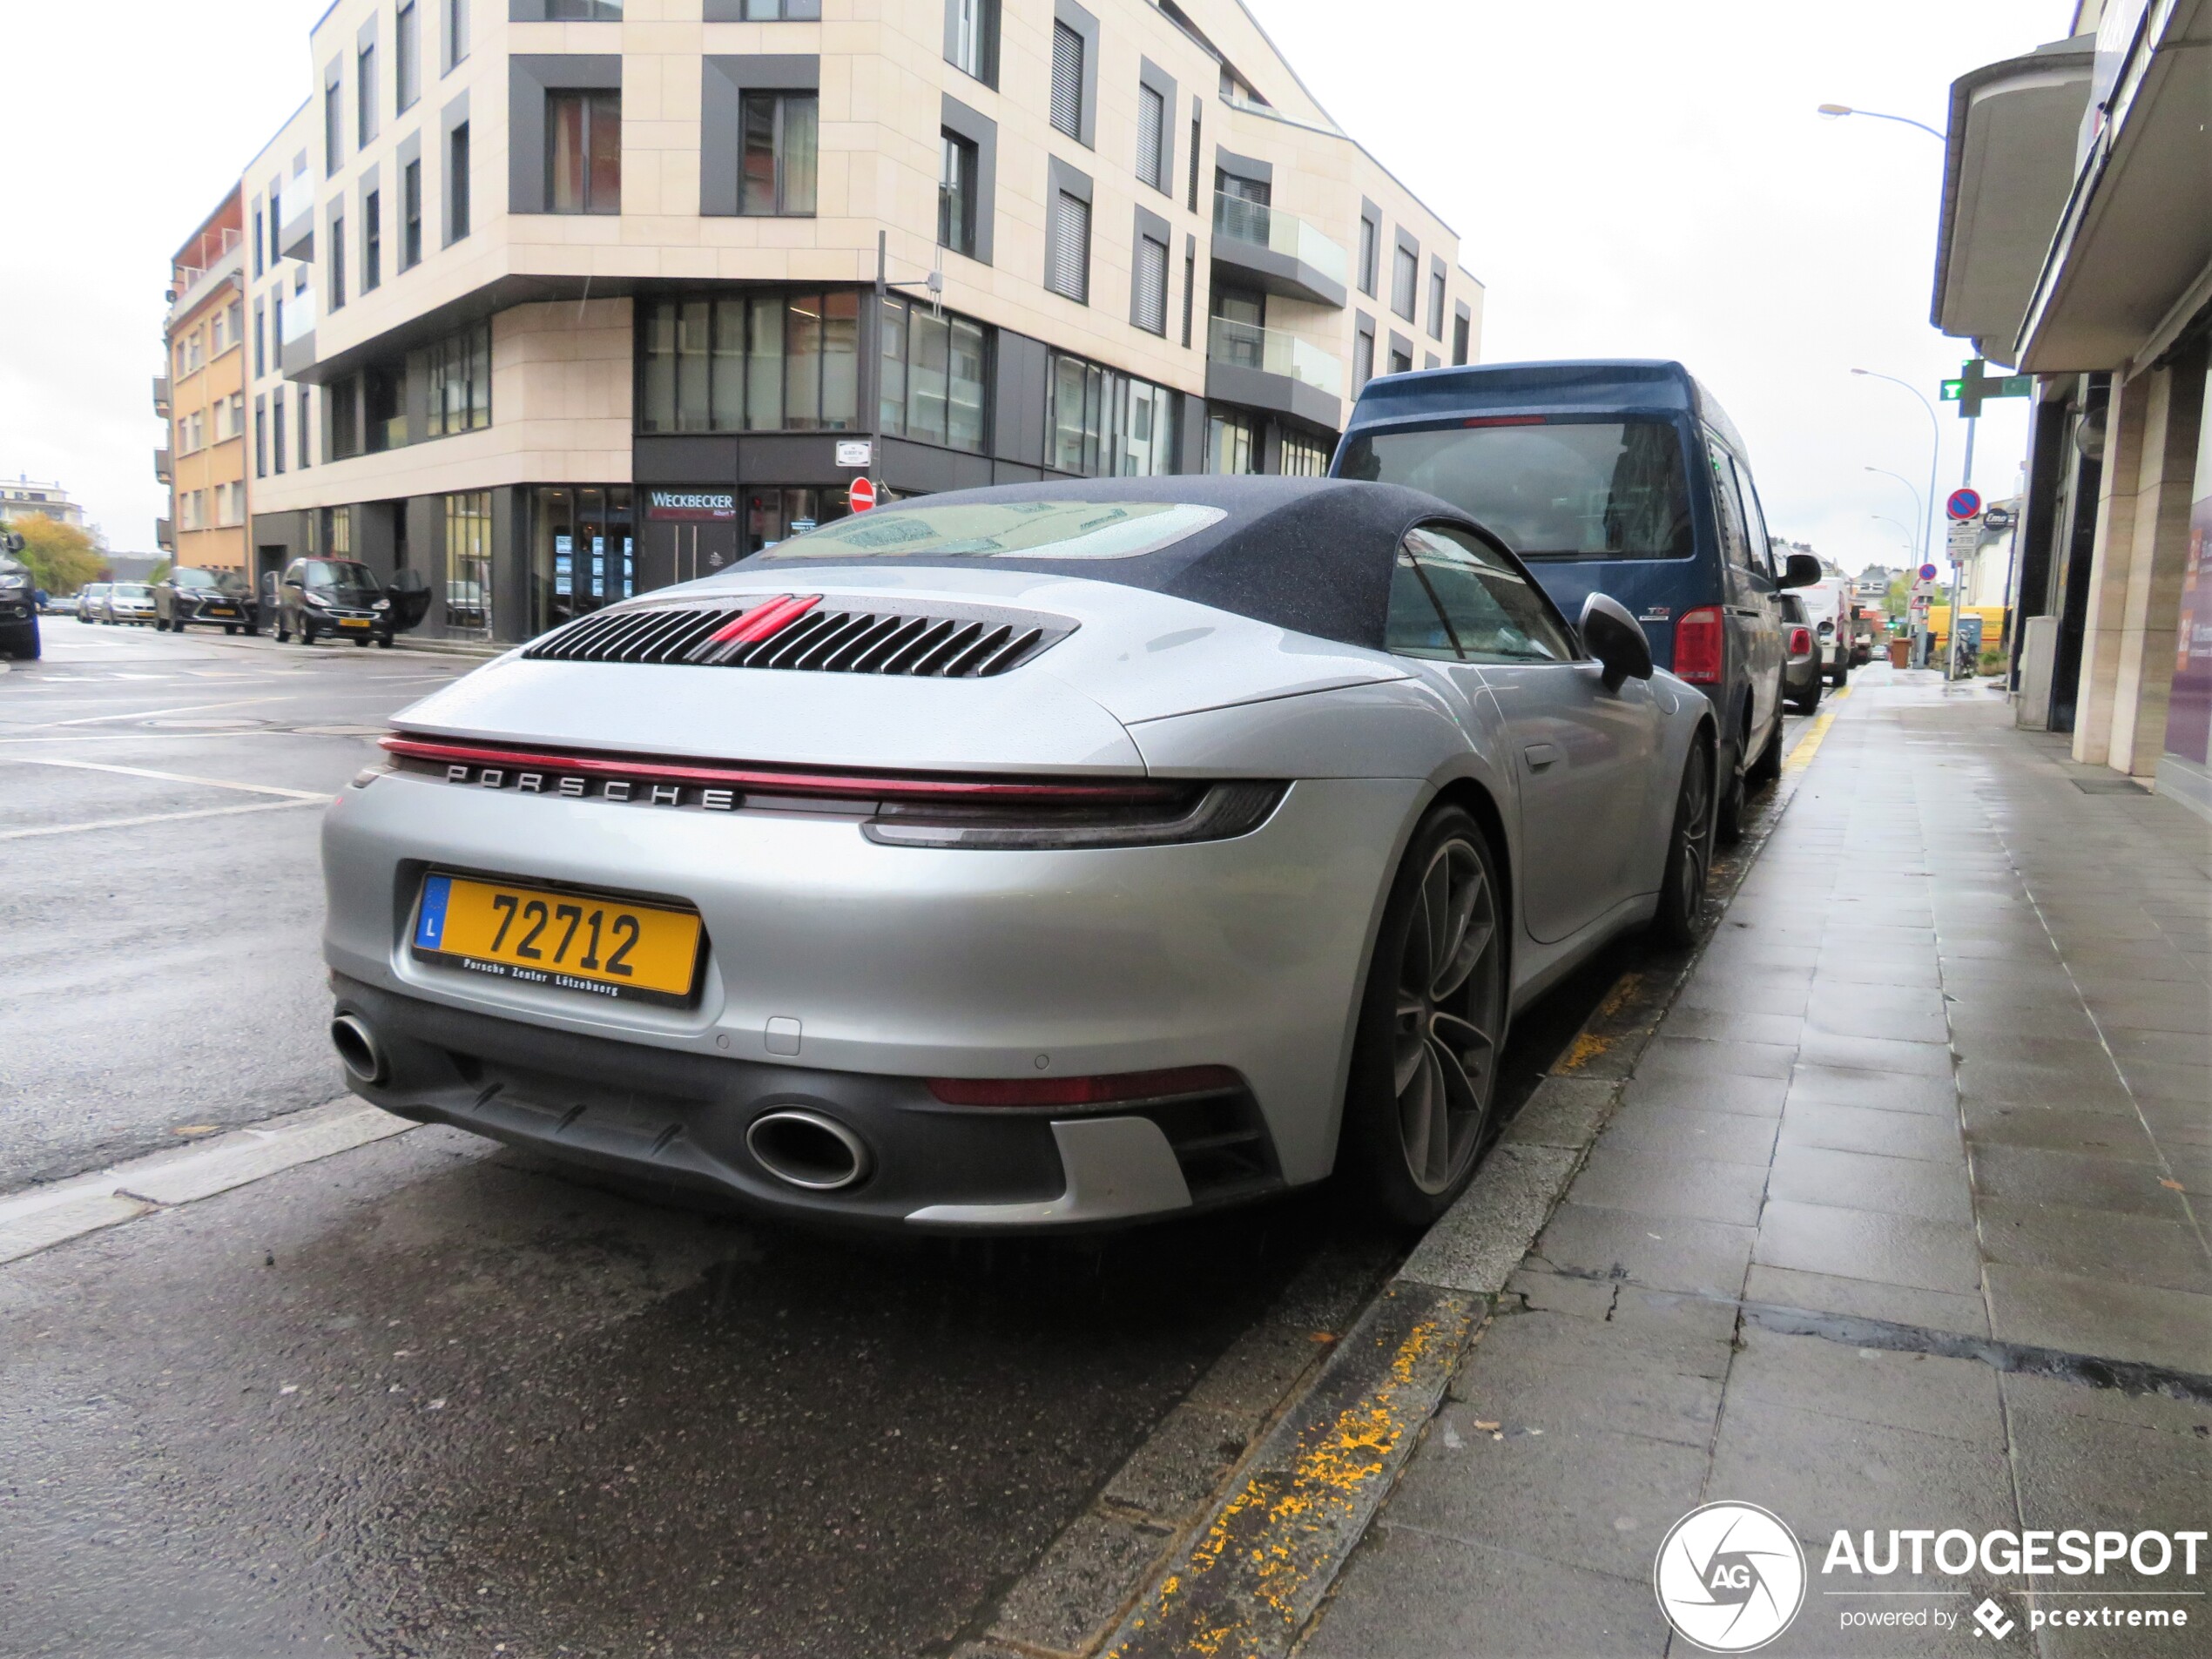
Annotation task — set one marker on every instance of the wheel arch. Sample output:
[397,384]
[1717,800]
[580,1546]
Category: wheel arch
[1474,796]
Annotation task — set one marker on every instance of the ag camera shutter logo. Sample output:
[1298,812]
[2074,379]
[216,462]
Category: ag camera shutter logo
[1730,1577]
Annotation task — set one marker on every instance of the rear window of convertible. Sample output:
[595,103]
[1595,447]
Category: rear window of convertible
[1026,529]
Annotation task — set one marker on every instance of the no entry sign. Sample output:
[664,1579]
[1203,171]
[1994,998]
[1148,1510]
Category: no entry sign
[861,494]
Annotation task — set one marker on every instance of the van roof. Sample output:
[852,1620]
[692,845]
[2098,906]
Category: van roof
[1565,385]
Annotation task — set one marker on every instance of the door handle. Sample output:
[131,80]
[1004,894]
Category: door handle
[1538,755]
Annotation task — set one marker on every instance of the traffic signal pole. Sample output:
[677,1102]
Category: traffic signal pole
[1958,566]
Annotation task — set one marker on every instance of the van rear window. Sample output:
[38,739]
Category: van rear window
[1553,490]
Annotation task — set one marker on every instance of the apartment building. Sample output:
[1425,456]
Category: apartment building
[552,301]
[28,497]
[202,396]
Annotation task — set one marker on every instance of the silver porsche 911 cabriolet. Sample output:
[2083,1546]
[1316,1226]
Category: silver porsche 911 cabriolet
[1024,858]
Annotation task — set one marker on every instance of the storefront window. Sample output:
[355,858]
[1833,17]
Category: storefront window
[774,514]
[1232,443]
[2189,711]
[936,376]
[1106,424]
[773,361]
[467,546]
[582,554]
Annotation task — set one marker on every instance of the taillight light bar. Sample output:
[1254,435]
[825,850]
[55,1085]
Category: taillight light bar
[1698,646]
[771,616]
[1506,419]
[1084,1091]
[768,780]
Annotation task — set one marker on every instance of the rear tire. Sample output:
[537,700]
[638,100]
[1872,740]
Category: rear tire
[1689,855]
[1417,1105]
[1809,701]
[1729,821]
[1767,767]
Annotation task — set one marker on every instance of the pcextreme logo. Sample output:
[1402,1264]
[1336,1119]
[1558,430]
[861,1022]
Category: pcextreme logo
[1730,1577]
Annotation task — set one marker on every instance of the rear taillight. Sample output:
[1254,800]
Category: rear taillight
[1698,646]
[1203,813]
[1801,642]
[1084,1091]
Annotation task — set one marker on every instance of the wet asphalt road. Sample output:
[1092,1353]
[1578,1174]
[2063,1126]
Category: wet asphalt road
[431,1397]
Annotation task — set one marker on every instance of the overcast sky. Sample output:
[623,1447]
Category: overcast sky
[1627,177]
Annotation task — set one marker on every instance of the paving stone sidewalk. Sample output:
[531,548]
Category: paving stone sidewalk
[1901,1222]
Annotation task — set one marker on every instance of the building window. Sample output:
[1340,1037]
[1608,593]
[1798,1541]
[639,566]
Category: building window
[778,160]
[1436,305]
[583,152]
[1461,327]
[972,38]
[1152,138]
[1305,456]
[276,430]
[276,225]
[407,56]
[334,120]
[1104,424]
[1401,362]
[956,176]
[1405,276]
[1370,255]
[411,214]
[467,546]
[583,10]
[771,362]
[1149,282]
[935,378]
[1068,80]
[1190,291]
[1066,251]
[458,369]
[1363,355]
[337,260]
[372,239]
[258,247]
[365,95]
[456,16]
[1232,442]
[457,184]
[260,343]
[260,437]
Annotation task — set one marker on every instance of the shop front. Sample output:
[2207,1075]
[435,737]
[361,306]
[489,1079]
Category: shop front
[2185,768]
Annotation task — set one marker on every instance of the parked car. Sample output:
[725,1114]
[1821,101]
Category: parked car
[1831,606]
[18,601]
[189,595]
[1801,669]
[89,599]
[130,601]
[342,598]
[1625,478]
[1022,858]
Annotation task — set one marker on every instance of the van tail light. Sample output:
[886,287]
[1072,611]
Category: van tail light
[1698,646]
[1801,642]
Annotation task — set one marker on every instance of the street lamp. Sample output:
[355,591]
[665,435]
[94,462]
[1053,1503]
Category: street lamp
[1919,508]
[1912,547]
[1837,111]
[1935,445]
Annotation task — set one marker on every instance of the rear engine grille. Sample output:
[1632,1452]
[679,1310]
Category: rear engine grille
[798,631]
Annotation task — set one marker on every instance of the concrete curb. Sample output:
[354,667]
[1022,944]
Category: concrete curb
[1250,1574]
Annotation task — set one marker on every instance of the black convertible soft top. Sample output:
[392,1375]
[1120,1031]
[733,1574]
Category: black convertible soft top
[1310,555]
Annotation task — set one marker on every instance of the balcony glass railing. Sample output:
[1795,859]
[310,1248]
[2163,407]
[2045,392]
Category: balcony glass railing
[1271,228]
[299,315]
[297,197]
[1245,345]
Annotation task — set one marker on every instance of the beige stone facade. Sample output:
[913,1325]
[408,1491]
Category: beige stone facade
[572,299]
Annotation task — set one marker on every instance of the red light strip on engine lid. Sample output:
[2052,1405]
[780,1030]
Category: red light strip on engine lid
[763,620]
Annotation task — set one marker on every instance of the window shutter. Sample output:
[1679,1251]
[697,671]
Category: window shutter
[1152,117]
[1067,80]
[1067,247]
[1151,285]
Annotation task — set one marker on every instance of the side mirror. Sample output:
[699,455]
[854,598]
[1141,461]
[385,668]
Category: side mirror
[1802,571]
[1615,639]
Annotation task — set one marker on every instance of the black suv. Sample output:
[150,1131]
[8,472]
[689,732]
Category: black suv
[18,601]
[188,595]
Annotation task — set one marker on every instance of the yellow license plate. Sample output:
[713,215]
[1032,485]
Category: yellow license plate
[579,941]
[353,622]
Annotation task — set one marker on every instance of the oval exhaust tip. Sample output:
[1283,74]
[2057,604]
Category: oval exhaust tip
[356,1046]
[807,1149]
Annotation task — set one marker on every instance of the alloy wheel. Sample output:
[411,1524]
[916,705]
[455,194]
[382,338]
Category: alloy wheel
[1694,829]
[1444,1047]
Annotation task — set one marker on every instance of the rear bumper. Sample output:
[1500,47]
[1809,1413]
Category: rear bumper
[680,1120]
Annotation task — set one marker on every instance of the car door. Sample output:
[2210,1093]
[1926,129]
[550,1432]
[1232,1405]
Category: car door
[294,599]
[1582,755]
[1748,586]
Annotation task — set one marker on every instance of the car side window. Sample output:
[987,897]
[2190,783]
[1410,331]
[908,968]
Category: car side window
[1762,558]
[1415,627]
[1490,612]
[1727,505]
[295,573]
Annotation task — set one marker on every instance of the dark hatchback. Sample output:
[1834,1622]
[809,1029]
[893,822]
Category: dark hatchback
[212,599]
[324,598]
[1617,477]
[18,601]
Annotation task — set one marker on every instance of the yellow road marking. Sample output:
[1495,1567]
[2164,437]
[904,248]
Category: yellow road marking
[1801,757]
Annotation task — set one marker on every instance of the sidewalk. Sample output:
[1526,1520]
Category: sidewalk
[1899,1224]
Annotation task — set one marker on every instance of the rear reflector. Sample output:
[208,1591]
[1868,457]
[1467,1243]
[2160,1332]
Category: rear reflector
[1698,646]
[1084,1091]
[1505,420]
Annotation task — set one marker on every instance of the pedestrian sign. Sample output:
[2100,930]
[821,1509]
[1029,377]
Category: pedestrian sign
[1964,503]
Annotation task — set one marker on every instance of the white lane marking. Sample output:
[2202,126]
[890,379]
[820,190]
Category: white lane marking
[147,714]
[159,817]
[41,1217]
[162,777]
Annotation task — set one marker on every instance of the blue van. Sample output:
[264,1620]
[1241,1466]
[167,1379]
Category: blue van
[1624,478]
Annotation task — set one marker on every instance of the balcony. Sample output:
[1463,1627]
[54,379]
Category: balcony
[1278,252]
[1268,368]
[165,536]
[295,216]
[163,472]
[161,395]
[296,350]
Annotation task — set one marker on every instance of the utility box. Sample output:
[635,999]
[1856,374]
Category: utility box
[2039,655]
